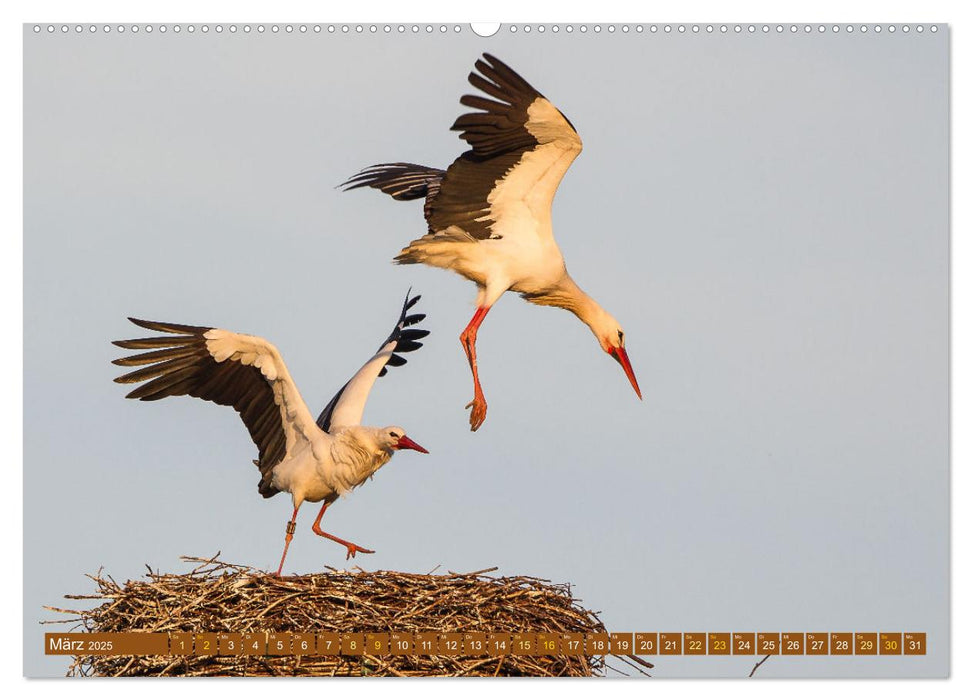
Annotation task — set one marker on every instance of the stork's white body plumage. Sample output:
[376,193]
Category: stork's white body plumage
[311,460]
[327,466]
[490,213]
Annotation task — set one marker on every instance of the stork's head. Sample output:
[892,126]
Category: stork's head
[611,337]
[394,438]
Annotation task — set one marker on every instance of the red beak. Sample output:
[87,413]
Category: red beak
[620,354]
[406,443]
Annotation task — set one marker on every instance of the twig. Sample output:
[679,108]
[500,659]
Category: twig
[755,668]
[617,670]
[643,662]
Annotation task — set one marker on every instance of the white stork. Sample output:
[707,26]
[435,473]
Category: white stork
[489,215]
[311,461]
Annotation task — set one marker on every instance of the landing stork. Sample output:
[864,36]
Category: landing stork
[312,461]
[489,214]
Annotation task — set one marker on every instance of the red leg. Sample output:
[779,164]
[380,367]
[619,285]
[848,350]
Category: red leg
[478,403]
[291,527]
[352,548]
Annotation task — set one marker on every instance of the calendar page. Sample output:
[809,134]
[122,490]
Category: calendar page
[615,350]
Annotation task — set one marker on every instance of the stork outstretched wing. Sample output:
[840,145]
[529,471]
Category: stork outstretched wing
[522,145]
[230,369]
[347,406]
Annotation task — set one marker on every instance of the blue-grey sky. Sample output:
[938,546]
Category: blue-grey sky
[765,214]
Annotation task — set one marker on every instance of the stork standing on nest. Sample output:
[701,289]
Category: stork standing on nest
[312,461]
[489,215]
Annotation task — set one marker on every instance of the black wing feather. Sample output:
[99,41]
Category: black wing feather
[182,366]
[405,339]
[500,126]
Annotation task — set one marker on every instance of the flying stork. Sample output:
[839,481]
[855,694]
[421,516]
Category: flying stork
[489,214]
[312,461]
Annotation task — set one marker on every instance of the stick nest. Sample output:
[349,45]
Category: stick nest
[220,597]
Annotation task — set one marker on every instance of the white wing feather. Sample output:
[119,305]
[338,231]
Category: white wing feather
[298,424]
[350,407]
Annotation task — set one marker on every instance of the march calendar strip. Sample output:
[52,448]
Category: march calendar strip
[485,643]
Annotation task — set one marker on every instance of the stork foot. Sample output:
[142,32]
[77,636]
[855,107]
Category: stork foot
[478,415]
[353,549]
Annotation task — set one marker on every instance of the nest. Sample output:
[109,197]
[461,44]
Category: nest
[220,597]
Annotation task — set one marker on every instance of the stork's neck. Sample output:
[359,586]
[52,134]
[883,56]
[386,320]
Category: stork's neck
[566,294]
[355,455]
